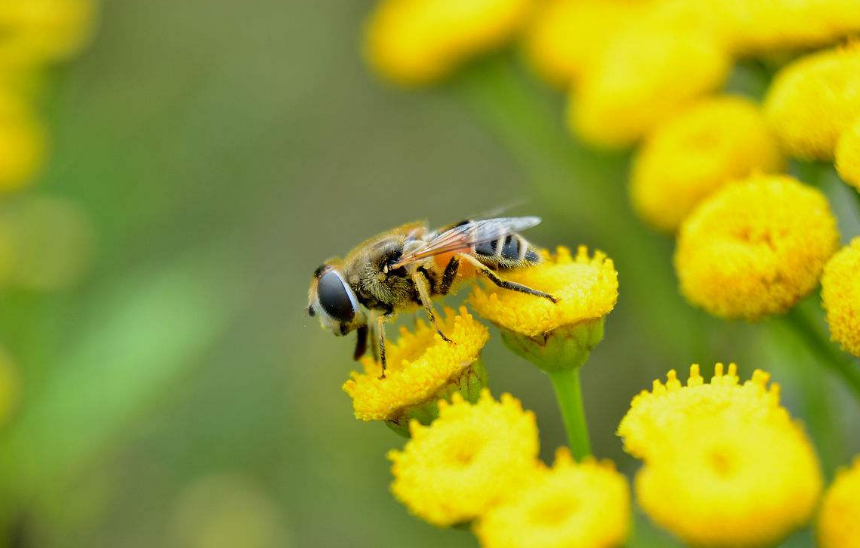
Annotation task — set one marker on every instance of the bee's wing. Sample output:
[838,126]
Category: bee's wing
[466,235]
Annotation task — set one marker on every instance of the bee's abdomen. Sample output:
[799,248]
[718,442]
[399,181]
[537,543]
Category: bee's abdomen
[511,251]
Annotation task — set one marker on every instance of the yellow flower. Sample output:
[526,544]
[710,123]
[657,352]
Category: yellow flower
[839,519]
[696,152]
[840,294]
[422,368]
[848,155]
[756,247]
[725,465]
[573,505]
[415,42]
[565,36]
[37,31]
[814,100]
[642,77]
[756,26]
[22,143]
[467,460]
[545,332]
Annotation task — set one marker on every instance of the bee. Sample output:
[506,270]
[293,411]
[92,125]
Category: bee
[405,268]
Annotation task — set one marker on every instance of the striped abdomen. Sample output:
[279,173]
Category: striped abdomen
[511,251]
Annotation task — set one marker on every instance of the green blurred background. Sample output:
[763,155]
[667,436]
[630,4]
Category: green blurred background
[222,149]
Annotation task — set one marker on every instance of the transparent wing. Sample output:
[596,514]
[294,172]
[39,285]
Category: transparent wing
[464,236]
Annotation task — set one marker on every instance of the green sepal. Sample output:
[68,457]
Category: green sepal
[566,347]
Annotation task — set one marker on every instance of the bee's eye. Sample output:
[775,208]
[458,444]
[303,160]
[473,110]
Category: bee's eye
[334,298]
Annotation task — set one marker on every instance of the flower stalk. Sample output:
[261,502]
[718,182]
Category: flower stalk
[568,393]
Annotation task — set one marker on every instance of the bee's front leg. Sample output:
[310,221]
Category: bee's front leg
[380,333]
[421,282]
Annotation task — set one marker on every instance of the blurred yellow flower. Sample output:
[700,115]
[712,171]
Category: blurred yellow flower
[44,31]
[572,505]
[422,368]
[697,151]
[839,519]
[566,36]
[415,42]
[755,247]
[814,100]
[725,465]
[548,333]
[642,77]
[848,155]
[840,294]
[467,460]
[22,143]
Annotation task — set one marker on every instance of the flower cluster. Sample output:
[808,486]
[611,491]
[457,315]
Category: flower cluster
[839,518]
[721,453]
[477,463]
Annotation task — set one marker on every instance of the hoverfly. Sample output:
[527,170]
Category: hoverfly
[408,266]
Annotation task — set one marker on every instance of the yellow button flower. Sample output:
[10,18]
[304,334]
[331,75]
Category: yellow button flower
[422,368]
[566,36]
[840,294]
[839,518]
[467,460]
[724,464]
[697,151]
[572,505]
[814,100]
[756,247]
[415,42]
[848,155]
[545,332]
[642,77]
[39,31]
[22,143]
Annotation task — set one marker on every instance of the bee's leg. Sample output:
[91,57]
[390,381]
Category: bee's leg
[424,295]
[360,343]
[374,342]
[448,275]
[504,284]
[380,333]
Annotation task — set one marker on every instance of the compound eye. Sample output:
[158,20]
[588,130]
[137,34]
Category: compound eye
[334,298]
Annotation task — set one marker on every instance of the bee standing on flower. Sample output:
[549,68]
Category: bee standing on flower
[408,266]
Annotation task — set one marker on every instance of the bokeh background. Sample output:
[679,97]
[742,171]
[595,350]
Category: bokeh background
[209,154]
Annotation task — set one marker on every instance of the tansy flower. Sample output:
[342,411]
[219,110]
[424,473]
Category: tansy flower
[755,247]
[422,368]
[572,505]
[22,143]
[551,334]
[839,519]
[840,294]
[696,152]
[39,31]
[414,42]
[467,460]
[643,76]
[725,466]
[814,100]
[566,36]
[848,155]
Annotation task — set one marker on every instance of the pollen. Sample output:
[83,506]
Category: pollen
[586,286]
[755,247]
[467,460]
[814,100]
[583,505]
[839,519]
[416,42]
[696,152]
[421,368]
[840,295]
[640,79]
[848,155]
[724,463]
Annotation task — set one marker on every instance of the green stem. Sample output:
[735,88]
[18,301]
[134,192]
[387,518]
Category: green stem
[818,342]
[568,392]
